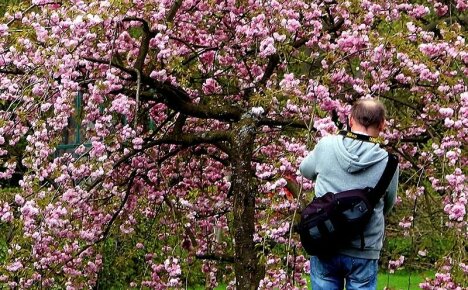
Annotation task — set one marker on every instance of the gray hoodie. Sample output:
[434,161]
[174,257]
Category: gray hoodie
[337,164]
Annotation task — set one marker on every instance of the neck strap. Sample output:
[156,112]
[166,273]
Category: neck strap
[361,137]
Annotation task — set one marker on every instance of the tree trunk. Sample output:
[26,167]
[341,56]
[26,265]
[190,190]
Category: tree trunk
[244,189]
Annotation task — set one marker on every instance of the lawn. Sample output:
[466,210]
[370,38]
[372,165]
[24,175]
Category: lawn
[398,281]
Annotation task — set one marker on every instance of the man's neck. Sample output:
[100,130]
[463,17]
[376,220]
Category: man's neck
[371,131]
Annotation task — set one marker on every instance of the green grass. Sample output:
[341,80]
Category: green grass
[397,281]
[400,281]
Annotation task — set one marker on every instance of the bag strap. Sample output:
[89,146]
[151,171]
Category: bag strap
[360,137]
[384,181]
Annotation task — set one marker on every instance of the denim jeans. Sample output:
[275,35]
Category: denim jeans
[338,271]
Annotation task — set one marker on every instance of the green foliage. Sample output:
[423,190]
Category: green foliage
[7,4]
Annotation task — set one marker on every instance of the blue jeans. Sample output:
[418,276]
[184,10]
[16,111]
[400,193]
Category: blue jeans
[331,273]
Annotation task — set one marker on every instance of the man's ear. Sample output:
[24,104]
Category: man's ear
[350,122]
[382,126]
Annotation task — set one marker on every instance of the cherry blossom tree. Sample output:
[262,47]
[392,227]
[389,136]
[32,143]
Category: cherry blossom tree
[192,118]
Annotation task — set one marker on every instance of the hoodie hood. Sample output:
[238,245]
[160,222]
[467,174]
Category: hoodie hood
[356,155]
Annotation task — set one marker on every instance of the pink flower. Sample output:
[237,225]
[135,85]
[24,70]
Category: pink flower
[98,149]
[462,5]
[446,112]
[291,25]
[139,246]
[19,199]
[267,47]
[15,266]
[211,86]
[137,143]
[395,264]
[406,222]
[289,82]
[3,30]
[257,111]
[456,211]
[419,11]
[122,104]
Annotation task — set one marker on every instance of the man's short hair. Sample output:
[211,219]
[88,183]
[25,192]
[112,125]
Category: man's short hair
[368,112]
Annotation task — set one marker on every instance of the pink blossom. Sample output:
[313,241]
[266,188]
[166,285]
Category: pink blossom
[137,143]
[291,25]
[98,149]
[267,47]
[211,86]
[325,126]
[419,11]
[456,211]
[3,30]
[462,5]
[19,199]
[464,267]
[406,222]
[122,104]
[289,82]
[5,213]
[446,112]
[440,8]
[15,266]
[352,42]
[139,246]
[395,264]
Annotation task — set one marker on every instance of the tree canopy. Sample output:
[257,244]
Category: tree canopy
[156,136]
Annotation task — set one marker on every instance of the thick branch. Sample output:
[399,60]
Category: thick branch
[172,13]
[220,258]
[188,139]
[179,100]
[300,124]
[179,123]
[272,64]
[12,71]
[145,40]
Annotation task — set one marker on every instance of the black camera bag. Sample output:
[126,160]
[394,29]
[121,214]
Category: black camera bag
[334,219]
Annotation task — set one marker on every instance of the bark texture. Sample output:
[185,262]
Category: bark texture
[244,186]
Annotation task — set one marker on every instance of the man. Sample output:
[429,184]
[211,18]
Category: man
[340,163]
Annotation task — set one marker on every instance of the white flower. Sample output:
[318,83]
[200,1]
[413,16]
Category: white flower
[257,111]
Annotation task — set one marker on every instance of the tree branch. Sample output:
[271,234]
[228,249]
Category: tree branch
[122,204]
[272,64]
[109,225]
[401,102]
[172,13]
[145,41]
[185,139]
[299,124]
[177,99]
[12,72]
[129,71]
[220,258]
